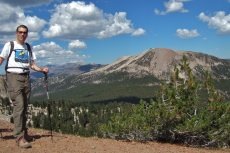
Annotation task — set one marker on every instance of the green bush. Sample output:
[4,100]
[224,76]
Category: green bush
[178,115]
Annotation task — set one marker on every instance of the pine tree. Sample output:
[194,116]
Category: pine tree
[209,86]
[179,99]
[177,115]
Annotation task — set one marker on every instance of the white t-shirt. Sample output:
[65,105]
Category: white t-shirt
[20,57]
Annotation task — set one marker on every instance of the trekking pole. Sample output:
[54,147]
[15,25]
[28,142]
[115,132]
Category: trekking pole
[48,101]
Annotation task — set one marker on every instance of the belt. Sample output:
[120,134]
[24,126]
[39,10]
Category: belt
[26,73]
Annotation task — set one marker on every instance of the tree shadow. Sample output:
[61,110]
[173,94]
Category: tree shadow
[8,137]
[133,100]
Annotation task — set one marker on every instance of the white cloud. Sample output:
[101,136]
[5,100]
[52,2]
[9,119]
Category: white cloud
[32,36]
[139,32]
[220,21]
[51,52]
[6,38]
[27,3]
[172,6]
[203,17]
[183,0]
[185,33]
[76,44]
[11,17]
[156,11]
[78,20]
[115,25]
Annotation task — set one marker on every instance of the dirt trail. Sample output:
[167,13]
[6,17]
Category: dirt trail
[75,144]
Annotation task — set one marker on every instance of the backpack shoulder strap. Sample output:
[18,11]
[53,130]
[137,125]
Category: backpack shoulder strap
[28,47]
[11,50]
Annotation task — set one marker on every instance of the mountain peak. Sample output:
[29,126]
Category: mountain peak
[160,63]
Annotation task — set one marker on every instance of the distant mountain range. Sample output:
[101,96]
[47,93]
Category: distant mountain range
[67,69]
[130,76]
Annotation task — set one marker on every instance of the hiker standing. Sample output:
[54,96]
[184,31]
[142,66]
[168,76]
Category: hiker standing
[19,61]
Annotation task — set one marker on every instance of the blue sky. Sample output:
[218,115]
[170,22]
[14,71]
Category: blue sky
[101,31]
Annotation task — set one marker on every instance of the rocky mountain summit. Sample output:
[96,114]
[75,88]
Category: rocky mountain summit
[160,63]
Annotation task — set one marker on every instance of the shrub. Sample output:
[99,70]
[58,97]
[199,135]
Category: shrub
[177,115]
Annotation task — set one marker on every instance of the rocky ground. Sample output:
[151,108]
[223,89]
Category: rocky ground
[76,144]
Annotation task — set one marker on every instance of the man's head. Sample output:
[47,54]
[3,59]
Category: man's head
[21,33]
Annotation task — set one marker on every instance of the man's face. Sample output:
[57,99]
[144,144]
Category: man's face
[21,34]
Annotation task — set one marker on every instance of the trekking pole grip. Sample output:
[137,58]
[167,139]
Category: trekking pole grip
[46,76]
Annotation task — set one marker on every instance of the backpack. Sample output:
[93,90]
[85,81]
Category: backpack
[11,50]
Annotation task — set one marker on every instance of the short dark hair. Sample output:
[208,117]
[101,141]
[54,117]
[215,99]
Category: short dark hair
[22,26]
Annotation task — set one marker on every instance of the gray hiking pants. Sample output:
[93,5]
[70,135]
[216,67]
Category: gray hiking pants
[19,88]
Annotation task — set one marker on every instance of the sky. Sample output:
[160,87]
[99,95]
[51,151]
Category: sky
[101,31]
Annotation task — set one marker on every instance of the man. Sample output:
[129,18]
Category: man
[18,82]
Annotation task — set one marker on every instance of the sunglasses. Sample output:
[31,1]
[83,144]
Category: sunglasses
[21,32]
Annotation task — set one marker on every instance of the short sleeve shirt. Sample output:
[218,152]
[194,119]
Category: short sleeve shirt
[20,57]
